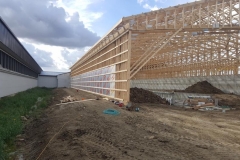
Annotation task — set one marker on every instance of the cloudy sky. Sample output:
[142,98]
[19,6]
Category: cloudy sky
[58,32]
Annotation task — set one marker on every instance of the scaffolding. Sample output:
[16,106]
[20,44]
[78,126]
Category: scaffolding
[194,39]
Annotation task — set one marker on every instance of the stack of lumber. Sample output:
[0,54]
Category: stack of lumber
[200,103]
[204,106]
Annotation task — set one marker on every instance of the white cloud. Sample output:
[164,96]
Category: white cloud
[153,4]
[161,1]
[59,33]
[140,1]
[47,23]
[53,58]
[186,1]
[81,6]
[147,6]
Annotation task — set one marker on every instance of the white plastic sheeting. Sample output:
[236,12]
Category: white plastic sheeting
[101,81]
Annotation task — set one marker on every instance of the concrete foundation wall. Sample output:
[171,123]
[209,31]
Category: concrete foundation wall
[228,84]
[63,80]
[12,82]
[47,81]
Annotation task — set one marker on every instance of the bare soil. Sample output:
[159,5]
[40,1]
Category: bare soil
[155,132]
[203,87]
[139,95]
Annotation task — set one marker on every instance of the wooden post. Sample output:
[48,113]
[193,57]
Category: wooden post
[128,66]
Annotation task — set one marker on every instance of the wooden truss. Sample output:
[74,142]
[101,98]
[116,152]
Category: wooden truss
[194,39]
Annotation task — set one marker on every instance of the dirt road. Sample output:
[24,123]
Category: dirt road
[156,132]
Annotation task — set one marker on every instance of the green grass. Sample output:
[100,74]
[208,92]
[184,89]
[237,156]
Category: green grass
[11,110]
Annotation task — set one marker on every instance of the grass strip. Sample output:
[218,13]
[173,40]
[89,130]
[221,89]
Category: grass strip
[12,108]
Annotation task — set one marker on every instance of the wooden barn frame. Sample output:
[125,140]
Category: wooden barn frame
[194,39]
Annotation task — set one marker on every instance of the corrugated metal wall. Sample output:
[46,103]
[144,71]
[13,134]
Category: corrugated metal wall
[10,45]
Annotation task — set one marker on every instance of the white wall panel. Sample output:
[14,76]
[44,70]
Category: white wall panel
[47,81]
[63,80]
[12,82]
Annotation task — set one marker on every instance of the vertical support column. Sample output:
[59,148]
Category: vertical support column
[175,17]
[192,60]
[192,15]
[183,17]
[166,20]
[137,24]
[216,14]
[222,14]
[230,13]
[146,27]
[208,24]
[235,72]
[200,15]
[239,13]
[128,66]
[156,25]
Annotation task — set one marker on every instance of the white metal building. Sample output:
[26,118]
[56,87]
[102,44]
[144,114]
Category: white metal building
[18,70]
[54,79]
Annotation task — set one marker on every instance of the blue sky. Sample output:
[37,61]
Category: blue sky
[114,10]
[59,32]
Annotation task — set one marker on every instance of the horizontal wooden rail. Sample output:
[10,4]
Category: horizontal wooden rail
[101,74]
[99,94]
[102,61]
[103,54]
[100,81]
[112,64]
[79,62]
[112,89]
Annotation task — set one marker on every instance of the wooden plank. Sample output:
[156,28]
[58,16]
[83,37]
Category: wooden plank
[99,94]
[105,73]
[146,60]
[128,66]
[102,61]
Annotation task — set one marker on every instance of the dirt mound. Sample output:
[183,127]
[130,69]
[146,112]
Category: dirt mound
[230,100]
[203,87]
[139,95]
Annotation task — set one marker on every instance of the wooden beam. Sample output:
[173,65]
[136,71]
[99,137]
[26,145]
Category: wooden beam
[167,40]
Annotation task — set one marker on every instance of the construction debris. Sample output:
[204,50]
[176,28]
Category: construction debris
[107,99]
[23,118]
[198,100]
[75,102]
[132,107]
[204,103]
[68,99]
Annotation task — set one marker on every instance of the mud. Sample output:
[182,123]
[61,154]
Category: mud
[139,95]
[82,131]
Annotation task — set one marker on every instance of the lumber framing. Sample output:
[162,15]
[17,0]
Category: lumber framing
[194,39]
